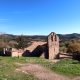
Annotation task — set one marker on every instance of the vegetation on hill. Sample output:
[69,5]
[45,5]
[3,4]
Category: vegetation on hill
[18,41]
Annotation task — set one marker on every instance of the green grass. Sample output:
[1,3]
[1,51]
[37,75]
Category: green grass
[8,67]
[66,67]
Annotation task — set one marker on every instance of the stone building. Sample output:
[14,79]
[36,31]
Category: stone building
[48,50]
[53,45]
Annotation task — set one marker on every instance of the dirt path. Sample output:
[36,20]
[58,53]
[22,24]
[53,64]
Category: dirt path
[41,73]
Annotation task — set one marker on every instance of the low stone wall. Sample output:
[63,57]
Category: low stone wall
[17,53]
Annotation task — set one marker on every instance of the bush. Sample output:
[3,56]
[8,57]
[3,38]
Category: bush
[74,49]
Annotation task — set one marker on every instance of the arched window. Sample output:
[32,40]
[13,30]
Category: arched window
[51,37]
[55,38]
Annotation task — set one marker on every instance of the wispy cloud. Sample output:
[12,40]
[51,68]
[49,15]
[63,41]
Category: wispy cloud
[3,19]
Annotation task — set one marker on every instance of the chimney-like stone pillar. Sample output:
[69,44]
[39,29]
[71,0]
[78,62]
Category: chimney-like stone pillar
[53,45]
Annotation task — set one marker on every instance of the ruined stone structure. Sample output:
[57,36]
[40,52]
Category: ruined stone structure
[53,45]
[16,53]
[49,49]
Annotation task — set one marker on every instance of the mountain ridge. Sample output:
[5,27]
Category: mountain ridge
[43,37]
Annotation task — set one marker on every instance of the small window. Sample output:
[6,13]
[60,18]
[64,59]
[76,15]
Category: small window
[51,37]
[55,38]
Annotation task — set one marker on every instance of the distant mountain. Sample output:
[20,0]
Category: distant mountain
[27,37]
[69,36]
[41,37]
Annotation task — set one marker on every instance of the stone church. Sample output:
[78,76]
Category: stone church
[48,50]
[53,45]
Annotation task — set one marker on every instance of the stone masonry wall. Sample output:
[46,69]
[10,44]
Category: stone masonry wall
[53,45]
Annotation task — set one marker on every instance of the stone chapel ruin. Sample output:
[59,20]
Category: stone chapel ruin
[53,45]
[49,49]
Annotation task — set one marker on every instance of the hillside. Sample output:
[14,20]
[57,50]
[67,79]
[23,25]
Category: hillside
[40,37]
[69,36]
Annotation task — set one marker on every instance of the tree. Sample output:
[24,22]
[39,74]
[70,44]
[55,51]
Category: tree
[22,42]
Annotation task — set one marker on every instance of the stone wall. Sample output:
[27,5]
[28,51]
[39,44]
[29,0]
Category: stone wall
[16,53]
[53,45]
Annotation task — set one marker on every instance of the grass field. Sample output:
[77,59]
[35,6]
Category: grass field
[66,67]
[8,67]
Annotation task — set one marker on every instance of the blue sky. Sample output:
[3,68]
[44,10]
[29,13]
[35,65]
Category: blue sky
[39,17]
